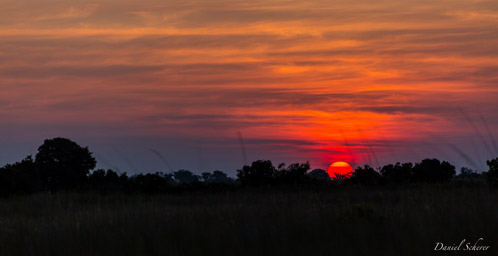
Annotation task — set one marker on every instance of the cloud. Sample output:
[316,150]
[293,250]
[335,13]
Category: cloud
[294,77]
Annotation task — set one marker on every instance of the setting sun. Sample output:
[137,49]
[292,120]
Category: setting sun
[340,168]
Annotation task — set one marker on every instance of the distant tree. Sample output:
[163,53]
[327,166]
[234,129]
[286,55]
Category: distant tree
[148,183]
[168,177]
[468,174]
[366,175]
[261,172]
[97,176]
[293,174]
[105,181]
[318,174]
[206,176]
[433,171]
[215,177]
[123,178]
[63,164]
[398,173]
[19,177]
[185,177]
[492,173]
[111,176]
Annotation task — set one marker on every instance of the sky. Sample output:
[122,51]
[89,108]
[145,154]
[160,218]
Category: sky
[212,85]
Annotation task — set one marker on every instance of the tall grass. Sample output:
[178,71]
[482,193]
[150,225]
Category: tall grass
[345,221]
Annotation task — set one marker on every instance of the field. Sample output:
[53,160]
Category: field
[340,221]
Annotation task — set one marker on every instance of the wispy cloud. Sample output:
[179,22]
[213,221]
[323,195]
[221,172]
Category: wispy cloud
[288,74]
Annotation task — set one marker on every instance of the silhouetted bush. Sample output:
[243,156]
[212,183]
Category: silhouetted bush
[366,176]
[148,183]
[63,164]
[185,177]
[103,181]
[433,171]
[398,173]
[259,173]
[468,174]
[216,177]
[318,175]
[293,174]
[492,174]
[19,177]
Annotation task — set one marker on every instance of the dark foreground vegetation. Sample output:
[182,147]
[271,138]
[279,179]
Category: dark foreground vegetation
[348,221]
[55,204]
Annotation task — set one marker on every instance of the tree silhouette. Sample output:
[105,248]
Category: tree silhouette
[260,172]
[293,174]
[19,177]
[492,174]
[318,174]
[365,175]
[104,181]
[63,164]
[468,174]
[398,173]
[148,183]
[433,171]
[215,177]
[185,177]
[206,177]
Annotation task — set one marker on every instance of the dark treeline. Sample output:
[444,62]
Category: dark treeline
[61,164]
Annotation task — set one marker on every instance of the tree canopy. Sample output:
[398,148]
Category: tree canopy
[62,163]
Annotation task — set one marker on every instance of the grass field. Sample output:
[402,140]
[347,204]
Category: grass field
[341,221]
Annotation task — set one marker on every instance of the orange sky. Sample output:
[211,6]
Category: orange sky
[363,81]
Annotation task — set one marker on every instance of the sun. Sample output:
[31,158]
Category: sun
[340,168]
